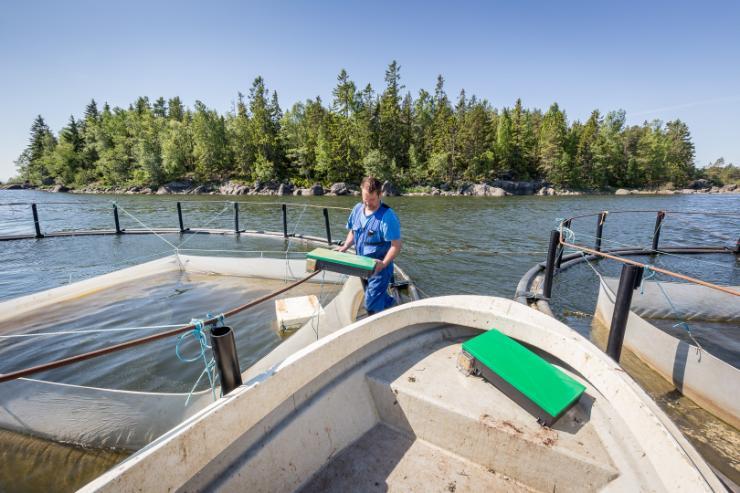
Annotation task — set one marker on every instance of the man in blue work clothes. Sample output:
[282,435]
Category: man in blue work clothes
[375,231]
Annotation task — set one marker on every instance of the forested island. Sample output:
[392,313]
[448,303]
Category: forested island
[423,141]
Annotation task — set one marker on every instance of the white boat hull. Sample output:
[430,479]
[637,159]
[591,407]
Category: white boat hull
[297,424]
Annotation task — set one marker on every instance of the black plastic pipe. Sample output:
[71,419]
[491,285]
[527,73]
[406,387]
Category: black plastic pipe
[656,232]
[326,223]
[599,230]
[179,217]
[227,360]
[236,217]
[629,280]
[550,264]
[36,221]
[285,221]
[116,220]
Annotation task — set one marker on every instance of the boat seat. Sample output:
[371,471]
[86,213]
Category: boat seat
[537,386]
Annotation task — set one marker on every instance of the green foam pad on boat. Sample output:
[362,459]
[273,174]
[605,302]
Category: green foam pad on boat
[545,385]
[342,258]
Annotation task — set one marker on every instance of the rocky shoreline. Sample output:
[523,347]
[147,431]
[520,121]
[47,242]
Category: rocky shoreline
[495,188]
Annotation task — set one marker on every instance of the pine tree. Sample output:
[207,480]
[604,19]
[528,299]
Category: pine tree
[175,109]
[553,159]
[391,139]
[263,133]
[210,149]
[160,108]
[441,161]
[679,153]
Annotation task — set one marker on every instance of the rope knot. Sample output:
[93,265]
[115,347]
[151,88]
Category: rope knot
[209,367]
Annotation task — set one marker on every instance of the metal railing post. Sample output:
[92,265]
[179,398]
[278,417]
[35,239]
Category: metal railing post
[600,230]
[285,221]
[628,282]
[550,265]
[36,224]
[656,231]
[326,223]
[566,225]
[179,217]
[116,220]
[236,217]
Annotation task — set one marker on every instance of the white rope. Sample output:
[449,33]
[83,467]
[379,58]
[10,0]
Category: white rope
[216,216]
[288,269]
[146,227]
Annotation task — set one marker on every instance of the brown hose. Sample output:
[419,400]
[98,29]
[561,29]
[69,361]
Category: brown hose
[143,340]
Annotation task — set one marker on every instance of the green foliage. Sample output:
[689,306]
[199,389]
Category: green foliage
[721,173]
[424,141]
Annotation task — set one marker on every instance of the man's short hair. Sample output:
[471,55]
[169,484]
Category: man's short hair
[371,184]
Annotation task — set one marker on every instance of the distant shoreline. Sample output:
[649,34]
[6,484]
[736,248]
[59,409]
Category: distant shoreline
[496,188]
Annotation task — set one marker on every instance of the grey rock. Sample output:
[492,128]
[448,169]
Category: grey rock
[178,186]
[314,190]
[389,190]
[285,189]
[546,191]
[484,190]
[60,188]
[699,184]
[622,191]
[339,188]
[730,187]
[518,187]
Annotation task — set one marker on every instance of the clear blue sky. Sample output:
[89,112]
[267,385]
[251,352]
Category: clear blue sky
[662,60]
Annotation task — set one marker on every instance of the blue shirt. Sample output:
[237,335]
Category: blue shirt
[390,226]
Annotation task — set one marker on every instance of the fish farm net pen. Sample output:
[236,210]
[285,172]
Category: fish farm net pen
[143,340]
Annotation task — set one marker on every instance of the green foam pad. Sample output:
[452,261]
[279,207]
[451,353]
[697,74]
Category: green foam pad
[342,258]
[542,383]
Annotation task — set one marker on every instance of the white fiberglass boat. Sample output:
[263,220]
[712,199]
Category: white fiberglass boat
[382,405]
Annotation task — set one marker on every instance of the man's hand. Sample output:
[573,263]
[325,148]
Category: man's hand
[343,248]
[379,266]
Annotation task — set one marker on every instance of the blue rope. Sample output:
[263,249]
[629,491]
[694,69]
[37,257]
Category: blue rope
[208,366]
[647,273]
[568,234]
[683,324]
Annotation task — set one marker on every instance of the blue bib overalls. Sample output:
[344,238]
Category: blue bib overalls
[369,241]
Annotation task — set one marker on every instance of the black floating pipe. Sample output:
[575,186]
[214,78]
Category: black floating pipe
[656,231]
[326,223]
[236,217]
[179,217]
[566,225]
[628,282]
[227,360]
[116,220]
[36,221]
[599,230]
[550,265]
[285,221]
